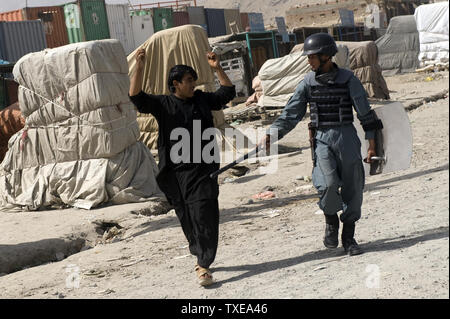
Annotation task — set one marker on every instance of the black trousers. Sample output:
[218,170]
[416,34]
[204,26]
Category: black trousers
[195,198]
[200,223]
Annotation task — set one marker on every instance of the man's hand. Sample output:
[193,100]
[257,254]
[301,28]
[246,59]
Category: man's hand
[214,63]
[264,144]
[213,60]
[140,58]
[137,77]
[371,151]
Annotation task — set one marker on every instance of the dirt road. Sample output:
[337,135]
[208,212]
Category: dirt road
[268,248]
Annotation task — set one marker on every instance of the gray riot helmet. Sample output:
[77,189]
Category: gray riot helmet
[320,43]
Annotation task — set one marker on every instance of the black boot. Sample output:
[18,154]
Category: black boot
[331,239]
[348,241]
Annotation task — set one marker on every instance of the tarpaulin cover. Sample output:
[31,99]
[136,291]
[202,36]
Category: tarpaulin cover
[79,144]
[363,58]
[399,47]
[432,24]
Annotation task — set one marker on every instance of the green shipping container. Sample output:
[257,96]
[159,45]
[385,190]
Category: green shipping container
[73,22]
[162,19]
[94,18]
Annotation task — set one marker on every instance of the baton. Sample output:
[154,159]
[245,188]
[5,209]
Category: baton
[231,165]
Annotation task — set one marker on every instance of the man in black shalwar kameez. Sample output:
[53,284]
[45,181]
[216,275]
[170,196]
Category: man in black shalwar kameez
[184,178]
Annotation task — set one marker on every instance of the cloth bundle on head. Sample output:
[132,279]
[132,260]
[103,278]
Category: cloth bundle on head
[79,144]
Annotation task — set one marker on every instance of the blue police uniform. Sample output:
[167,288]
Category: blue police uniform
[338,173]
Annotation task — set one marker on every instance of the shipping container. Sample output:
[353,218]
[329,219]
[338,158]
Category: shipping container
[94,19]
[119,22]
[197,16]
[215,19]
[54,24]
[73,22]
[16,15]
[143,29]
[244,21]
[180,18]
[52,18]
[256,22]
[233,18]
[303,33]
[18,38]
[162,19]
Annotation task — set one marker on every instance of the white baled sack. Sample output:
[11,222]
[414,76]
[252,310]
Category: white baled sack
[79,145]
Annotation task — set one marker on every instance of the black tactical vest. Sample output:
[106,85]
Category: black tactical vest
[330,105]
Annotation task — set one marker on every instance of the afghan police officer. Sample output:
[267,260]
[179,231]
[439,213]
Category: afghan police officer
[338,172]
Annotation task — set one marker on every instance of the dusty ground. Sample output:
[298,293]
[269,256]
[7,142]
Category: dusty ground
[268,248]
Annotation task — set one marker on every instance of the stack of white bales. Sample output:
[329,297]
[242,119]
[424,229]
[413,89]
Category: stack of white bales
[432,24]
[79,145]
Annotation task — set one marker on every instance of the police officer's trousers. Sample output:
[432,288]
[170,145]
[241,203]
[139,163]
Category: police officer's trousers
[339,173]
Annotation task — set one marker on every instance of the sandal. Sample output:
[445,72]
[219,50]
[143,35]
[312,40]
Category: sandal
[204,276]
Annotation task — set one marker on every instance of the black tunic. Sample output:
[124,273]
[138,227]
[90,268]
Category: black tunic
[171,113]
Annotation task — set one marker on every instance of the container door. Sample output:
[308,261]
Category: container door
[119,23]
[244,21]
[180,18]
[197,16]
[142,28]
[233,21]
[95,21]
[256,21]
[162,19]
[73,22]
[54,24]
[215,19]
[18,38]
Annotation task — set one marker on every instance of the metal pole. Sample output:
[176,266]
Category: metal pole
[275,46]
[249,50]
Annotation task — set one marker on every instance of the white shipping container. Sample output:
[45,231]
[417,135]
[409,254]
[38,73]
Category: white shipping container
[142,28]
[119,22]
